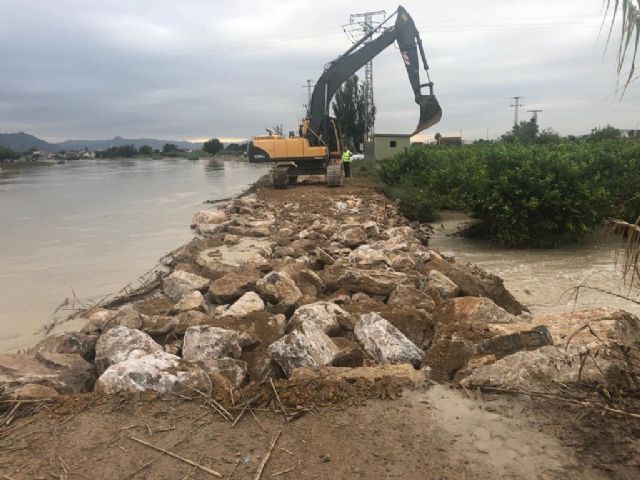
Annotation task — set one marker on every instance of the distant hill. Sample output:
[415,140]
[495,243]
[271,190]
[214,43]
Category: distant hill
[21,142]
[119,141]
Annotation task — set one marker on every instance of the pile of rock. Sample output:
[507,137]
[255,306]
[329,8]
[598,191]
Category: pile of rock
[269,289]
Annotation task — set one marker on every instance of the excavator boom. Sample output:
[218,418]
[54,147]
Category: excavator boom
[338,71]
[317,149]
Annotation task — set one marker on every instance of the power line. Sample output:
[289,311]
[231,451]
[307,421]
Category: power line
[361,25]
[517,106]
[535,114]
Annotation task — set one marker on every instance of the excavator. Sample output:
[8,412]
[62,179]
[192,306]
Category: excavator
[317,149]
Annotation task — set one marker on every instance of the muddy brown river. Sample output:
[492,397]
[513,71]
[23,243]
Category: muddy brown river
[544,279]
[94,226]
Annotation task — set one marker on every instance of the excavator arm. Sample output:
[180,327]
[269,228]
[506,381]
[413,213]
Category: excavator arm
[338,71]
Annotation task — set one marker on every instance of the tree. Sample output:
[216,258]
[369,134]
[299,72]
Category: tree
[146,150]
[277,130]
[525,132]
[123,151]
[8,154]
[212,146]
[604,133]
[548,136]
[349,108]
[169,148]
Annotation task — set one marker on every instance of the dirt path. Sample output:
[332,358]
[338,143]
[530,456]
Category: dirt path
[433,433]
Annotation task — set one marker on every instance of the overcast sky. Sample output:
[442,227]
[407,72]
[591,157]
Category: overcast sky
[195,69]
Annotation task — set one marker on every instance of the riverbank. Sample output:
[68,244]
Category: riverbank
[78,232]
[290,306]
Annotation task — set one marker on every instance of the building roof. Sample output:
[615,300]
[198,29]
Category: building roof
[392,135]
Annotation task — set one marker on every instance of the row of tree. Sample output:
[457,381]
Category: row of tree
[8,154]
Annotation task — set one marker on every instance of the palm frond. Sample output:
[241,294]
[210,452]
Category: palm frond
[630,262]
[629,35]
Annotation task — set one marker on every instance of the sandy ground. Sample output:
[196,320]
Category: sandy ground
[433,433]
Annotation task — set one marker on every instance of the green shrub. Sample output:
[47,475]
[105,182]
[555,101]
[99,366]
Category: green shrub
[524,195]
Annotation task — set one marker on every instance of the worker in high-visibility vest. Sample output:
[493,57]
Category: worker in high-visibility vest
[346,161]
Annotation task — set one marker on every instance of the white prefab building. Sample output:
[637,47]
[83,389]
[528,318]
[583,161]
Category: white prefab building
[386,145]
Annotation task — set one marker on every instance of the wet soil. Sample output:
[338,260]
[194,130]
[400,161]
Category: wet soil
[428,433]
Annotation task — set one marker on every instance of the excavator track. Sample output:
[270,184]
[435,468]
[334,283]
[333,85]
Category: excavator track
[280,178]
[334,175]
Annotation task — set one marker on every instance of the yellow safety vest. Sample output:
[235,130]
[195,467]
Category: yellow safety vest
[346,157]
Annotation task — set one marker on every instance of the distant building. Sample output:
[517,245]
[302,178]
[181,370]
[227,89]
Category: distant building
[450,141]
[386,145]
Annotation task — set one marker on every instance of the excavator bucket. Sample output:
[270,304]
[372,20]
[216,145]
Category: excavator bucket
[430,113]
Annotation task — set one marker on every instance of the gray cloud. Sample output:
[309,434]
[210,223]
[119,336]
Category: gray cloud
[196,69]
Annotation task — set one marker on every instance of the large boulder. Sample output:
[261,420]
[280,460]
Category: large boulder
[181,283]
[120,344]
[189,319]
[65,373]
[541,369]
[474,281]
[247,303]
[159,372]
[69,342]
[606,324]
[278,287]
[104,320]
[213,216]
[306,346]
[460,347]
[404,296]
[368,257]
[191,301]
[440,286]
[231,368]
[231,287]
[256,331]
[384,342]
[202,343]
[158,324]
[371,282]
[352,236]
[472,310]
[327,316]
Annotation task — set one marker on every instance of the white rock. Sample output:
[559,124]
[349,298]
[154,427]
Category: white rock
[367,256]
[384,342]
[160,372]
[327,316]
[306,346]
[214,216]
[536,369]
[191,301]
[247,303]
[120,344]
[180,283]
[203,343]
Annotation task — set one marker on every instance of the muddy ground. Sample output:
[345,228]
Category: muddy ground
[435,433]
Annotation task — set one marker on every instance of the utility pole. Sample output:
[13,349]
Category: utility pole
[535,114]
[362,24]
[517,106]
[307,105]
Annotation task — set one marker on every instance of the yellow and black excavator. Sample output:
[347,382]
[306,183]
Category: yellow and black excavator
[317,149]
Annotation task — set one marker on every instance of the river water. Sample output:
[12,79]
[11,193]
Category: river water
[94,226]
[543,279]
